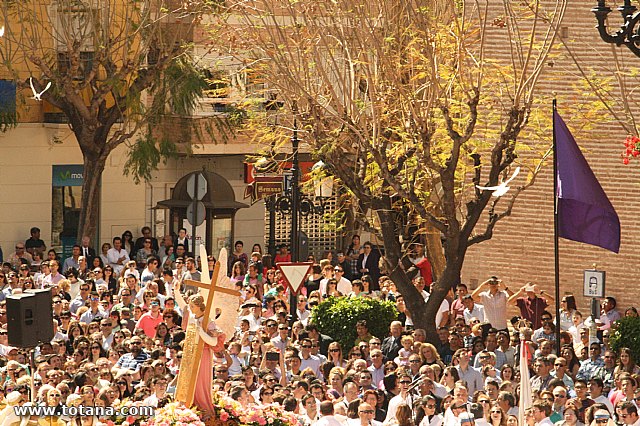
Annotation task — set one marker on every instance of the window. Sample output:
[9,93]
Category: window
[75,29]
[75,24]
[85,63]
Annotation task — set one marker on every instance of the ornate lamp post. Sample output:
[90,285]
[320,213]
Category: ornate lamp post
[296,204]
[628,34]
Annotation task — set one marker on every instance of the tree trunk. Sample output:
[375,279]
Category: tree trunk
[439,291]
[423,314]
[90,210]
[434,251]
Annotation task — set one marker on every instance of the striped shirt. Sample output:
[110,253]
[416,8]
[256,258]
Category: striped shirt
[130,362]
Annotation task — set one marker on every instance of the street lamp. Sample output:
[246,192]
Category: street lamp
[627,34]
[296,204]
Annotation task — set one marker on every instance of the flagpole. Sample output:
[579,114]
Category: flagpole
[556,252]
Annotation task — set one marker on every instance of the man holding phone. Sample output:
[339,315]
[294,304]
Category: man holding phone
[493,294]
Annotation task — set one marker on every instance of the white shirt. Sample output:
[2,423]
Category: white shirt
[358,422]
[328,421]
[377,374]
[113,255]
[444,307]
[477,312]
[435,421]
[364,261]
[74,289]
[107,342]
[303,317]
[394,404]
[59,336]
[344,286]
[604,400]
[545,422]
[313,362]
[254,323]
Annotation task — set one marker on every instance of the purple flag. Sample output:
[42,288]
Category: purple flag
[585,214]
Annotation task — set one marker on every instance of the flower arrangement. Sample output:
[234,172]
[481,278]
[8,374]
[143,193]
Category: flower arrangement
[229,411]
[121,407]
[174,414]
[631,148]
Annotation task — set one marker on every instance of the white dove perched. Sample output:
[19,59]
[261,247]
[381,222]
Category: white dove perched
[38,96]
[500,190]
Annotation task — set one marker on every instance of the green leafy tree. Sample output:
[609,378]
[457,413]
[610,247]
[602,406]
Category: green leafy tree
[405,105]
[626,334]
[116,68]
[337,317]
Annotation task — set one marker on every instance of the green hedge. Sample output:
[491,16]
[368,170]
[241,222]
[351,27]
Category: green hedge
[337,318]
[626,335]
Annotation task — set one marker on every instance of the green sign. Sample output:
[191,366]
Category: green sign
[68,175]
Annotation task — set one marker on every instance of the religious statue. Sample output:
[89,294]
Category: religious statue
[205,333]
[213,339]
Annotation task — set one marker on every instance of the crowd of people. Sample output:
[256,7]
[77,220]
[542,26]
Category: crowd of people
[119,323]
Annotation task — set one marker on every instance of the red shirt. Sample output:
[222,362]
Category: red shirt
[280,258]
[148,324]
[425,270]
[531,309]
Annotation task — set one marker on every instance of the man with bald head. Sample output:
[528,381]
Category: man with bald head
[366,414]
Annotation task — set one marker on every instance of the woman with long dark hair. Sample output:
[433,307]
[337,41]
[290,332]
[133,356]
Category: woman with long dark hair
[626,363]
[450,376]
[162,334]
[96,351]
[507,373]
[249,377]
[112,282]
[127,242]
[573,363]
[426,412]
[567,308]
[353,252]
[74,332]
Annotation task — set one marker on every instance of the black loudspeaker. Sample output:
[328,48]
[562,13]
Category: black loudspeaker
[29,318]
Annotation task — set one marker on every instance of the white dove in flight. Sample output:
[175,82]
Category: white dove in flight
[500,190]
[36,95]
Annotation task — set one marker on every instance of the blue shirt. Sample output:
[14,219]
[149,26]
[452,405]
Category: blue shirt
[590,368]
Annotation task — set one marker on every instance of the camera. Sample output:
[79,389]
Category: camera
[273,356]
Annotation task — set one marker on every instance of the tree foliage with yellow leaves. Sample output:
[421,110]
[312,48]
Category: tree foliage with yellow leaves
[411,110]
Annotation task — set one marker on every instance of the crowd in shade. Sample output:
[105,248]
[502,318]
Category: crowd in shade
[119,322]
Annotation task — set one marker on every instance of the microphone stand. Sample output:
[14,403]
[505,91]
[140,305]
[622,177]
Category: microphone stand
[410,390]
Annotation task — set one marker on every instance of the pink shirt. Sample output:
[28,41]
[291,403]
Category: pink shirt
[148,324]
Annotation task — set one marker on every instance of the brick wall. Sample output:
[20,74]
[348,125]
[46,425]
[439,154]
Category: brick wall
[522,247]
